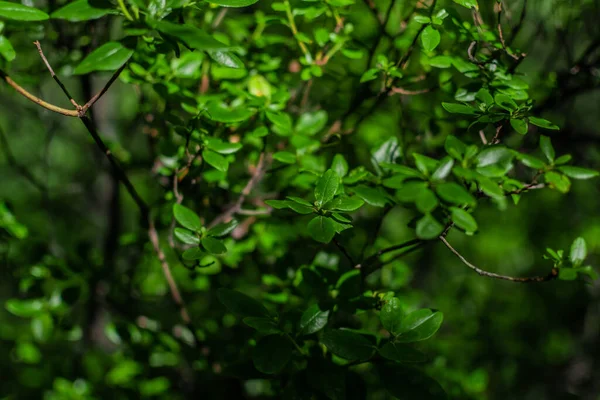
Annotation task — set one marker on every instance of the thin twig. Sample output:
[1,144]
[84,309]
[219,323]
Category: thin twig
[500,34]
[551,276]
[343,250]
[97,96]
[54,76]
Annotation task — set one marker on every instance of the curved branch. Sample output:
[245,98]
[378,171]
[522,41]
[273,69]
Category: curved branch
[551,276]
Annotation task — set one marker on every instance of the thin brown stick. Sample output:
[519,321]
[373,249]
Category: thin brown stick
[500,34]
[406,92]
[551,276]
[37,100]
[54,76]
[97,96]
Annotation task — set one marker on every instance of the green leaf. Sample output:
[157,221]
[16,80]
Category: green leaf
[391,315]
[6,49]
[327,186]
[428,227]
[531,161]
[454,193]
[369,75]
[80,10]
[321,229]
[24,308]
[344,203]
[213,246]
[578,172]
[285,157]
[410,384]
[347,344]
[216,160]
[195,38]
[467,3]
[234,3]
[567,274]
[505,102]
[272,353]
[222,147]
[222,113]
[578,251]
[281,120]
[463,219]
[454,147]
[373,196]
[185,236]
[263,325]
[519,125]
[187,217]
[226,59]
[108,57]
[223,229]
[410,191]
[456,108]
[339,165]
[403,353]
[42,327]
[20,12]
[557,181]
[239,303]
[430,38]
[443,170]
[195,253]
[419,325]
[311,123]
[426,201]
[313,320]
[547,148]
[543,123]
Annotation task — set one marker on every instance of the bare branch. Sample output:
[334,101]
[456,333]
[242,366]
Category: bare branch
[551,276]
[104,89]
[54,76]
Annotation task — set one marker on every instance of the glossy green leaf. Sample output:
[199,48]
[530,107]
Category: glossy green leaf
[430,38]
[19,12]
[234,3]
[519,125]
[226,58]
[321,229]
[193,37]
[578,172]
[285,157]
[504,101]
[108,57]
[455,194]
[80,10]
[578,252]
[420,325]
[313,320]
[216,160]
[311,123]
[428,227]
[543,123]
[402,353]
[272,353]
[456,108]
[463,219]
[223,113]
[326,187]
[239,303]
[391,315]
[6,49]
[186,236]
[280,119]
[222,147]
[373,196]
[443,170]
[186,217]
[426,201]
[223,229]
[547,148]
[347,344]
[344,203]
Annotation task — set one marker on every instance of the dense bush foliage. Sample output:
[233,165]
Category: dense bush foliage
[316,199]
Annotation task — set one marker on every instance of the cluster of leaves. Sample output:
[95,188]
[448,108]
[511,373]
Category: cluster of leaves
[242,108]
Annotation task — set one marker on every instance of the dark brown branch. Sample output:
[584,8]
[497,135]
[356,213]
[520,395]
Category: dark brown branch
[54,76]
[96,97]
[343,250]
[551,276]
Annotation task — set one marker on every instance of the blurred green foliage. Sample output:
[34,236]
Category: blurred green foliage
[300,166]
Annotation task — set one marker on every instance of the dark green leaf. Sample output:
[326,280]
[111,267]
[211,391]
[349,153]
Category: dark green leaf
[344,203]
[223,229]
[313,320]
[234,3]
[108,57]
[272,353]
[263,325]
[285,157]
[547,148]
[428,227]
[403,353]
[187,217]
[280,119]
[321,229]
[239,303]
[193,37]
[455,147]
[456,108]
[347,344]
[531,161]
[20,12]
[426,201]
[226,58]
[455,194]
[79,10]
[195,253]
[391,315]
[420,325]
[213,246]
[519,125]
[339,165]
[410,384]
[410,191]
[216,160]
[504,101]
[542,123]
[373,196]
